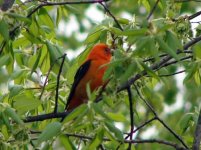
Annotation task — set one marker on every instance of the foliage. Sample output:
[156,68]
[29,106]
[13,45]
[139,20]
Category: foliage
[149,54]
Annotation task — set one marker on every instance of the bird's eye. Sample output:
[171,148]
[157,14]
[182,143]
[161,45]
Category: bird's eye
[107,50]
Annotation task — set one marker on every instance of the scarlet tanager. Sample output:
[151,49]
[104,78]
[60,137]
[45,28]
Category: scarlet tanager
[90,72]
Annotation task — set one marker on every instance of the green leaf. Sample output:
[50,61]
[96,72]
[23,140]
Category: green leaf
[76,112]
[34,28]
[98,110]
[59,15]
[118,134]
[94,35]
[17,73]
[130,32]
[15,90]
[190,72]
[29,36]
[53,51]
[117,117]
[128,72]
[172,41]
[51,130]
[11,113]
[150,71]
[197,78]
[141,44]
[37,61]
[166,48]
[123,21]
[25,102]
[4,60]
[67,142]
[5,120]
[19,17]
[146,5]
[97,140]
[45,19]
[4,31]
[186,122]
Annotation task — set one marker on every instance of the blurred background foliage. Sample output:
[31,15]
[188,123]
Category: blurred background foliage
[32,42]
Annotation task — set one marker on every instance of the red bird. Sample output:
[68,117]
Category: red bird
[90,72]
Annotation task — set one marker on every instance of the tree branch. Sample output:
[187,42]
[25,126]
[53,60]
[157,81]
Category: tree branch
[153,9]
[164,55]
[167,143]
[141,126]
[197,135]
[48,73]
[115,20]
[58,81]
[172,74]
[194,15]
[131,115]
[46,116]
[175,61]
[46,3]
[154,66]
[160,120]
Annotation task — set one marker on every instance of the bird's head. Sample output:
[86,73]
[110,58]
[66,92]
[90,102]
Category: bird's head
[100,51]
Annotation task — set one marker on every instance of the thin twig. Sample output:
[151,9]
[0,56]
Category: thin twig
[131,115]
[48,73]
[164,55]
[47,3]
[153,9]
[160,120]
[136,141]
[148,105]
[172,74]
[141,126]
[174,145]
[175,61]
[194,15]
[154,66]
[197,135]
[58,81]
[192,42]
[116,21]
[46,116]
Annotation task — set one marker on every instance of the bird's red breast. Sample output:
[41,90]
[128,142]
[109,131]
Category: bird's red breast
[90,72]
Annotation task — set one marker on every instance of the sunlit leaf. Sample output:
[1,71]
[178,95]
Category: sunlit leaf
[186,121]
[118,134]
[97,140]
[11,113]
[4,60]
[25,102]
[164,47]
[4,29]
[79,110]
[51,130]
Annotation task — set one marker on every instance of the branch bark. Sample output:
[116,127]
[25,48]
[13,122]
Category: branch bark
[197,136]
[58,81]
[131,115]
[46,116]
[152,11]
[155,66]
[160,120]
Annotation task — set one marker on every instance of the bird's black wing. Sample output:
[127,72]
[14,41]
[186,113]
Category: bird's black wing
[78,76]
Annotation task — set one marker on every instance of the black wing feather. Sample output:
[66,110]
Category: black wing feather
[78,76]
